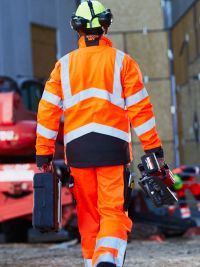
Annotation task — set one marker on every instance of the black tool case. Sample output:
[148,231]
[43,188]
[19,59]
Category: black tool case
[47,210]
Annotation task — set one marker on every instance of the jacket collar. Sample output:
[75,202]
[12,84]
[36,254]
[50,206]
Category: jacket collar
[93,40]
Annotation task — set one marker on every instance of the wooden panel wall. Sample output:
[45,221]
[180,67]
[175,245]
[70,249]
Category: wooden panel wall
[184,42]
[189,104]
[132,15]
[118,40]
[43,50]
[150,51]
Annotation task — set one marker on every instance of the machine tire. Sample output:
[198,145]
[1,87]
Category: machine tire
[16,230]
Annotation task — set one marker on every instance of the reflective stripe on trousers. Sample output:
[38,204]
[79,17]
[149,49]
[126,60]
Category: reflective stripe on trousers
[114,243]
[106,257]
[87,263]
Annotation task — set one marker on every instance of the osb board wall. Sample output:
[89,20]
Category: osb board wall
[118,41]
[150,51]
[43,50]
[189,27]
[182,56]
[190,95]
[189,102]
[194,68]
[191,153]
[160,95]
[131,15]
[138,152]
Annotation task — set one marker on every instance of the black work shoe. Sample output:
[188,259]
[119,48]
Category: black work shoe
[106,264]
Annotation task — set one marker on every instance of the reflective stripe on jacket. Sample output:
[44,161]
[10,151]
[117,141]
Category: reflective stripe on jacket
[100,91]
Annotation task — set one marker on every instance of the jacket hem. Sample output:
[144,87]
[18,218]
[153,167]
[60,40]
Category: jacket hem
[98,164]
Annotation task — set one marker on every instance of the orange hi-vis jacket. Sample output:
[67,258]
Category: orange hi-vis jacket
[100,91]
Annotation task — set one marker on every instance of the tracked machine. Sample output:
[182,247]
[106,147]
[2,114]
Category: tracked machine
[18,106]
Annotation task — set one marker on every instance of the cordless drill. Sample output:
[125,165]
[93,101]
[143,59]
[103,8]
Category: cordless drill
[156,181]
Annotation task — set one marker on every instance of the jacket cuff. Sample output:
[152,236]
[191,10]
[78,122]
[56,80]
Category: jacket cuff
[158,152]
[41,160]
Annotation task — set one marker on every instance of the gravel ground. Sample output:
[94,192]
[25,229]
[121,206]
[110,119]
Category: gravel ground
[173,252]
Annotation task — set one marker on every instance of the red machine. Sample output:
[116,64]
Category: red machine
[18,107]
[186,179]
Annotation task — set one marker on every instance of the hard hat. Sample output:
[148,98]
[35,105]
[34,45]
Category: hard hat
[90,15]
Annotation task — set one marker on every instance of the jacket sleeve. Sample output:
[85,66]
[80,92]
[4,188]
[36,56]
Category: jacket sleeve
[48,118]
[139,107]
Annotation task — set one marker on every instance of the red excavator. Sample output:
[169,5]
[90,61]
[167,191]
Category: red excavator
[18,106]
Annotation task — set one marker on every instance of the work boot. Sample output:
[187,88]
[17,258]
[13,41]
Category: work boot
[106,264]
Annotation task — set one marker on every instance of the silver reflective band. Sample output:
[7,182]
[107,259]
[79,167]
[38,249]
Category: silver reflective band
[65,77]
[49,134]
[71,100]
[97,128]
[111,242]
[106,257]
[93,92]
[117,86]
[134,99]
[87,263]
[145,127]
[51,98]
[114,243]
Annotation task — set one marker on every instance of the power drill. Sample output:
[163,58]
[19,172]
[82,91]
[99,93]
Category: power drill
[154,181]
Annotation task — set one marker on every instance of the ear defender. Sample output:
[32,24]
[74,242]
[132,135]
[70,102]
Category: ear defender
[78,23]
[105,18]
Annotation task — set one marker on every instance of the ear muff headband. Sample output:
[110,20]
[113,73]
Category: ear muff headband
[79,23]
[91,9]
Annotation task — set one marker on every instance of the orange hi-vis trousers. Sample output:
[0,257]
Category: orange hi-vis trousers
[102,221]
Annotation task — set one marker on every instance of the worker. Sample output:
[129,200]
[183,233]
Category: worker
[100,91]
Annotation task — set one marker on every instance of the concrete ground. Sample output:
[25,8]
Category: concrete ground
[180,252]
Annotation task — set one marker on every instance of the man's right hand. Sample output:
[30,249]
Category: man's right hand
[156,180]
[46,167]
[44,163]
[164,172]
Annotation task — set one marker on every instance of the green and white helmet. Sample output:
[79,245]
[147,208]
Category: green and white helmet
[91,15]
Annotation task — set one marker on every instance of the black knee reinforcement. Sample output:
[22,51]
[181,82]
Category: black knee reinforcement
[106,264]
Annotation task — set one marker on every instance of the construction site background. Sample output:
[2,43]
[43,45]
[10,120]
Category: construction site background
[163,36]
